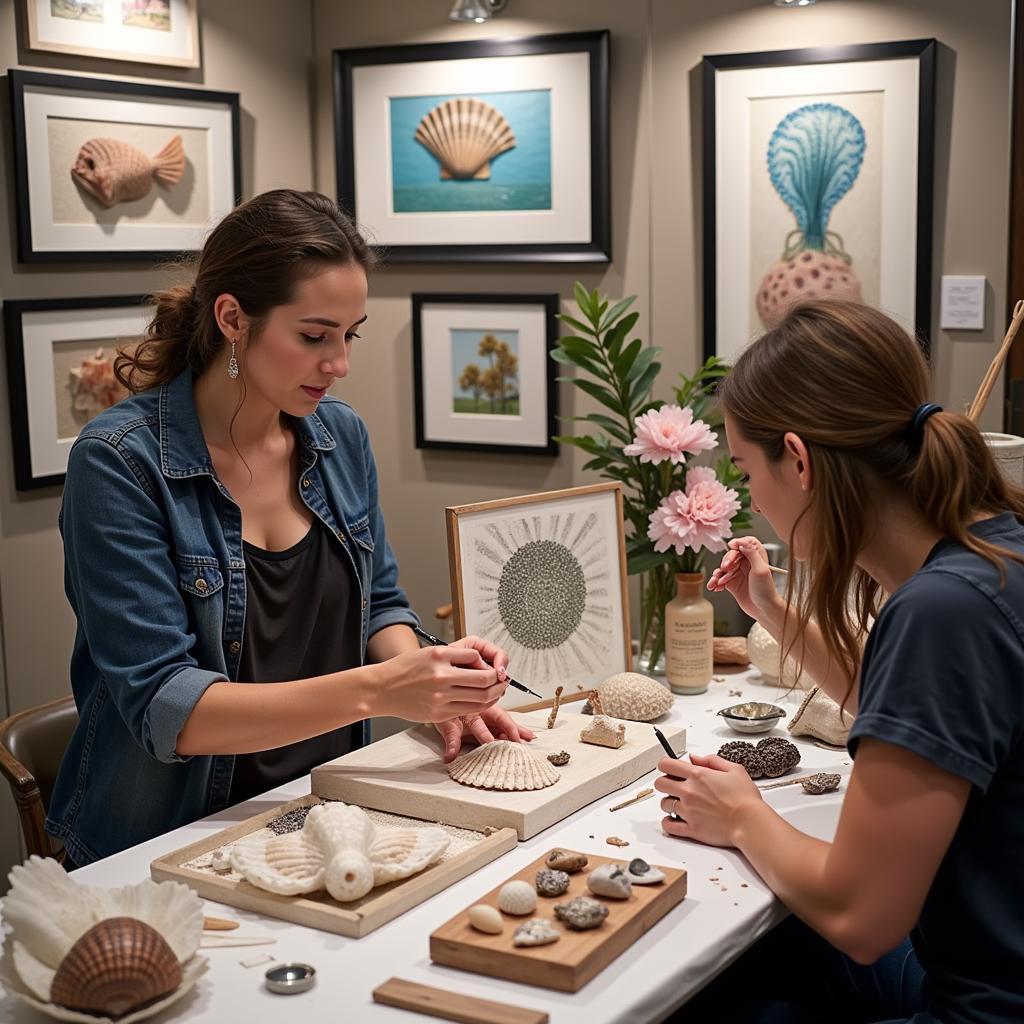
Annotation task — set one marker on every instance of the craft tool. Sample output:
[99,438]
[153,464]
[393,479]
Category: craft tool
[434,641]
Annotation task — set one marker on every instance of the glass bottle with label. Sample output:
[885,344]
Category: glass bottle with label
[689,632]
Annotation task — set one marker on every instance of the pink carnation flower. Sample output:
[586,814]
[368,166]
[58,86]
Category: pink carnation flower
[699,517]
[669,433]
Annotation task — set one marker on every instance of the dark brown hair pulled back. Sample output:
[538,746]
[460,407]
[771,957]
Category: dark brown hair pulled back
[257,253]
[847,380]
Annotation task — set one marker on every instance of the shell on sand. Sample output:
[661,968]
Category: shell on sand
[503,765]
[465,134]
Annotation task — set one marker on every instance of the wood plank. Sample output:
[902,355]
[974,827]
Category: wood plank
[568,964]
[408,995]
[404,774]
[318,910]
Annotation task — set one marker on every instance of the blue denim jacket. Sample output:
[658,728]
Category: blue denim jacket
[155,574]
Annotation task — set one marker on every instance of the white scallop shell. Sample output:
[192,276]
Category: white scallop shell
[517,897]
[398,853]
[503,764]
[465,134]
[635,697]
[46,912]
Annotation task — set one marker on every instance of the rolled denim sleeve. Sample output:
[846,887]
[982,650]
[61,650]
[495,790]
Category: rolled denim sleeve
[388,604]
[121,580]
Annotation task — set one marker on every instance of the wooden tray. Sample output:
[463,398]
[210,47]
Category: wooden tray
[404,774]
[569,963]
[319,910]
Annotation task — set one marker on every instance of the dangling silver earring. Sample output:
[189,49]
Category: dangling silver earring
[233,363]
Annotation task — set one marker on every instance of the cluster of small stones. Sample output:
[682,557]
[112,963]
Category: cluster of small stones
[772,757]
[291,821]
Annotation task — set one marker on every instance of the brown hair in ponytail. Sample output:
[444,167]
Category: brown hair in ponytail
[257,253]
[847,380]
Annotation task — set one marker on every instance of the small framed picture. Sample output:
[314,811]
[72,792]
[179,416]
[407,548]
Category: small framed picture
[544,576]
[60,374]
[818,167]
[142,31]
[113,170]
[483,376]
[492,149]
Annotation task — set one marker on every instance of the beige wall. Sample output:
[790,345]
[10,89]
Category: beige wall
[277,55]
[264,56]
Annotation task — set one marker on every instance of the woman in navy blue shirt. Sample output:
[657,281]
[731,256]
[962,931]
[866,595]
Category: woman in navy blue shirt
[877,491]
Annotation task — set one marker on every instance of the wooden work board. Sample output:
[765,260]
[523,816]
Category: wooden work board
[404,774]
[319,909]
[568,964]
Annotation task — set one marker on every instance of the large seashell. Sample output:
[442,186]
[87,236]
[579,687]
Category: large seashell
[465,134]
[46,912]
[503,765]
[635,697]
[116,966]
[398,853]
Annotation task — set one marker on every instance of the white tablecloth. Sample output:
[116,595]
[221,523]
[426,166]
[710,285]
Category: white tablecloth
[726,909]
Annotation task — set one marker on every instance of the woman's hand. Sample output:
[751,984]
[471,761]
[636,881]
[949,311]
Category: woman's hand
[493,724]
[435,684]
[710,795]
[744,573]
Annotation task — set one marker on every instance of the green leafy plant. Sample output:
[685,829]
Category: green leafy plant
[619,373]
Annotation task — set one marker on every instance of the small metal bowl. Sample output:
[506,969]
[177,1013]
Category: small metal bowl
[752,716]
[286,979]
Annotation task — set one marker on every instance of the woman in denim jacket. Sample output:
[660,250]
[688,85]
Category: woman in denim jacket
[222,525]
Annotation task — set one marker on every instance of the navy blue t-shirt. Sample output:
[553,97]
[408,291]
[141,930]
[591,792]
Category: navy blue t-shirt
[943,677]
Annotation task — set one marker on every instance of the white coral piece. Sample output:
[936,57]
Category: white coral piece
[604,732]
[503,765]
[635,697]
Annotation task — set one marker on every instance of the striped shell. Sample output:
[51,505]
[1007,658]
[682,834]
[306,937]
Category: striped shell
[635,697]
[398,853]
[115,967]
[465,134]
[503,765]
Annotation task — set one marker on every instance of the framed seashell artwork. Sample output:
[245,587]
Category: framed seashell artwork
[140,31]
[60,374]
[544,576]
[483,376]
[810,155]
[436,144]
[115,170]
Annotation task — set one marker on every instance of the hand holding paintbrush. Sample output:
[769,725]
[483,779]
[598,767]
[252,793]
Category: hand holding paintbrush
[746,574]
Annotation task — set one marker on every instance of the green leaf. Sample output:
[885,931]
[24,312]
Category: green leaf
[576,325]
[603,395]
[583,442]
[626,357]
[644,561]
[616,429]
[642,361]
[614,338]
[583,301]
[566,357]
[616,311]
[580,346]
[599,463]
[643,384]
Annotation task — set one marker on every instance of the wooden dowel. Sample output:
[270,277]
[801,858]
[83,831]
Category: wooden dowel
[976,407]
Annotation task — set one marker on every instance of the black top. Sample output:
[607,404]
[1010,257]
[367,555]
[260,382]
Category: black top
[302,619]
[943,676]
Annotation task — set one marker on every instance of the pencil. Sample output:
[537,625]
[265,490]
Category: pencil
[665,743]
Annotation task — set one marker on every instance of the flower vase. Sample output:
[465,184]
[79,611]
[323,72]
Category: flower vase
[655,593]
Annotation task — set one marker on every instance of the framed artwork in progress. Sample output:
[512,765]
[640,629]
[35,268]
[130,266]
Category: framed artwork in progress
[818,168]
[113,170]
[141,31]
[544,576]
[494,149]
[60,374]
[483,376]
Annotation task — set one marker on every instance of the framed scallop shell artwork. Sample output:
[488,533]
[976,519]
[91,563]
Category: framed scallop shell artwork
[114,170]
[448,151]
[818,171]
[544,577]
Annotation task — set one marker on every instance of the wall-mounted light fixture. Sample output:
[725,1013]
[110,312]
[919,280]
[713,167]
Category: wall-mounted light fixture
[792,3]
[476,10]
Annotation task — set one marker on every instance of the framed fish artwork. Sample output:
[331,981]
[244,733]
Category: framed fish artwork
[484,379]
[60,374]
[115,170]
[818,167]
[140,31]
[486,150]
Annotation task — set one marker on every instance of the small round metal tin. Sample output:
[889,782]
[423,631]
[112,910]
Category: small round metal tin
[286,979]
[752,716]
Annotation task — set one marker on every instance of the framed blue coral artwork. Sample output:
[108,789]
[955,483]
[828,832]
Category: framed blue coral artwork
[449,151]
[818,171]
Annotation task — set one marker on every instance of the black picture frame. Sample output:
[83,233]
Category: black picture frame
[549,303]
[20,81]
[594,44]
[924,51]
[19,397]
